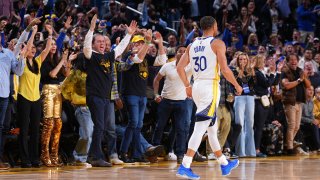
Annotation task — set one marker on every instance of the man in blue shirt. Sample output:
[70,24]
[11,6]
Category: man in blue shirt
[8,63]
[306,18]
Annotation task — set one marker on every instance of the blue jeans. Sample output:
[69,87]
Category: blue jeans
[83,116]
[144,145]
[136,106]
[182,118]
[244,116]
[102,113]
[3,109]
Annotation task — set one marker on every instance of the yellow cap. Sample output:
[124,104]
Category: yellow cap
[137,38]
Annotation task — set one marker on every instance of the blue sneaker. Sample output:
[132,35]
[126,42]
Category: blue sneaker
[226,169]
[186,173]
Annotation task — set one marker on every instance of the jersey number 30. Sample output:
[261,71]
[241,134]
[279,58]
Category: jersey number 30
[200,63]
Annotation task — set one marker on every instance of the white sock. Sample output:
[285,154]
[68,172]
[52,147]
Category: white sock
[222,160]
[186,161]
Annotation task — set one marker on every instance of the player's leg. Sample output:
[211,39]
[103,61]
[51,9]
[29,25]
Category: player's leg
[226,165]
[199,129]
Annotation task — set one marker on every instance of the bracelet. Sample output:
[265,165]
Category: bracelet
[188,86]
[147,42]
[50,36]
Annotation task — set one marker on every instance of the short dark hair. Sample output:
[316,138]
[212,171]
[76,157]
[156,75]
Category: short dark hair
[207,22]
[289,56]
[180,46]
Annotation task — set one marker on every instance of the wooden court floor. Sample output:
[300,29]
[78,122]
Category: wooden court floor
[271,168]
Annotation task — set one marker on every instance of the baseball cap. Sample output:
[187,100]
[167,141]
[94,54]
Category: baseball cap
[315,39]
[137,38]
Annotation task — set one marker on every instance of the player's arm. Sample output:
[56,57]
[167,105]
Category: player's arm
[219,48]
[184,61]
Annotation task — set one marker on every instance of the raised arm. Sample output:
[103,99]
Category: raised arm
[219,48]
[30,41]
[125,41]
[138,58]
[87,45]
[46,51]
[162,53]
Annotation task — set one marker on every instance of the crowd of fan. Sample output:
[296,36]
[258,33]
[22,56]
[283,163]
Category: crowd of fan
[273,49]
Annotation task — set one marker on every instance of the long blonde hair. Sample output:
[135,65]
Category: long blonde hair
[259,61]
[247,68]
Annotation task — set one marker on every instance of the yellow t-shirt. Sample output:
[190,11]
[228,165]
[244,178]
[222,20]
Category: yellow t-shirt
[29,83]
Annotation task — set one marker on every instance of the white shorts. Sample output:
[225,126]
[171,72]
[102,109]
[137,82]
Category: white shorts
[206,95]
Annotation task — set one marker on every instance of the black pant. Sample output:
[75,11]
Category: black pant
[261,114]
[311,136]
[29,114]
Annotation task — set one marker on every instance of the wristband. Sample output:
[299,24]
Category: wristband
[299,80]
[147,42]
[189,86]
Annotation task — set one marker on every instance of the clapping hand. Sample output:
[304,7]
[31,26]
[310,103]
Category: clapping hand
[73,56]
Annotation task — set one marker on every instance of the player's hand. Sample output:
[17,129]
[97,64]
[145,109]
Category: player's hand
[239,90]
[189,92]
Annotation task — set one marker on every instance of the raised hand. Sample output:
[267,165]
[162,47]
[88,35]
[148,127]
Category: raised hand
[148,35]
[35,21]
[158,36]
[49,28]
[67,24]
[93,22]
[132,28]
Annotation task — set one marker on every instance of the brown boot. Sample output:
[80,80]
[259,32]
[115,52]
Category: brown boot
[55,142]
[45,140]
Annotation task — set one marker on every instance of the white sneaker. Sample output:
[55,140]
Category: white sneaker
[116,161]
[211,156]
[300,151]
[171,157]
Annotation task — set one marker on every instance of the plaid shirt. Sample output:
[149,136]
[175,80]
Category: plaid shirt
[224,90]
[118,66]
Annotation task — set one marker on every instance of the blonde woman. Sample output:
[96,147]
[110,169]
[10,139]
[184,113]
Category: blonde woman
[253,44]
[244,106]
[264,81]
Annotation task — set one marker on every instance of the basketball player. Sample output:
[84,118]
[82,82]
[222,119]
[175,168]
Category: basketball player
[207,57]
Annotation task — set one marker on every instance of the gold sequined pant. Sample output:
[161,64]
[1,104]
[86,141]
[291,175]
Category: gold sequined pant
[52,124]
[52,101]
